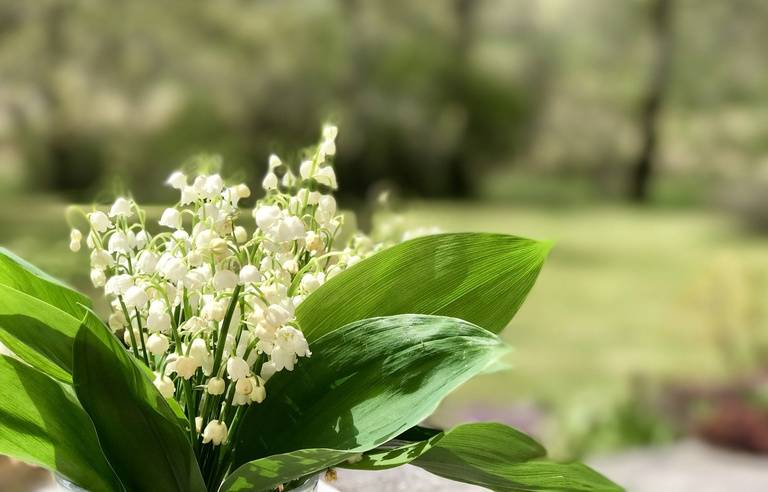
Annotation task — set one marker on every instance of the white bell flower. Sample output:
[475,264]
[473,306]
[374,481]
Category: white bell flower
[98,277]
[215,386]
[215,432]
[213,310]
[199,350]
[259,394]
[326,176]
[118,243]
[249,274]
[121,208]
[330,132]
[268,369]
[225,280]
[147,262]
[135,297]
[274,162]
[158,322]
[157,344]
[189,195]
[141,239]
[99,221]
[237,368]
[118,285]
[306,170]
[213,185]
[311,282]
[270,182]
[171,218]
[177,180]
[267,216]
[101,259]
[276,316]
[327,147]
[243,386]
[186,366]
[172,268]
[289,345]
[164,385]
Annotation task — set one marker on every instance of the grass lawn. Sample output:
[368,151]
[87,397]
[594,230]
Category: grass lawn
[618,296]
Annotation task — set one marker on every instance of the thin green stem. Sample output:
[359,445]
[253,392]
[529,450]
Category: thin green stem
[224,329]
[130,327]
[141,338]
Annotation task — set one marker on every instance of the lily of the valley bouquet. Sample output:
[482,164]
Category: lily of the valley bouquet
[256,350]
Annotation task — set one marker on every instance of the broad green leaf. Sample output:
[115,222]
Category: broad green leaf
[41,422]
[39,316]
[137,429]
[500,442]
[37,332]
[266,474]
[490,455]
[364,384]
[25,277]
[481,278]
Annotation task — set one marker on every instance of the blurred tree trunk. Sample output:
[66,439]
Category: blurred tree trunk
[460,183]
[644,168]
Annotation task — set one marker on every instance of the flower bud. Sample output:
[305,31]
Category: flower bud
[242,190]
[219,247]
[75,237]
[241,235]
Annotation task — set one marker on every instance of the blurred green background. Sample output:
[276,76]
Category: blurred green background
[633,133]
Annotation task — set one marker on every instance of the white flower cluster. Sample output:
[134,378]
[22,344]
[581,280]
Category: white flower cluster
[209,304]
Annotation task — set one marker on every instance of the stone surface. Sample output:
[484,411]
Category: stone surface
[688,466]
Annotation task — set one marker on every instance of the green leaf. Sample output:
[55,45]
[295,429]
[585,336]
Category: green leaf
[39,316]
[364,384]
[43,423]
[25,277]
[481,278]
[137,429]
[490,455]
[267,473]
[37,332]
[501,443]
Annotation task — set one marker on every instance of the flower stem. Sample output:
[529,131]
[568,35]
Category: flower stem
[141,337]
[130,327]
[224,329]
